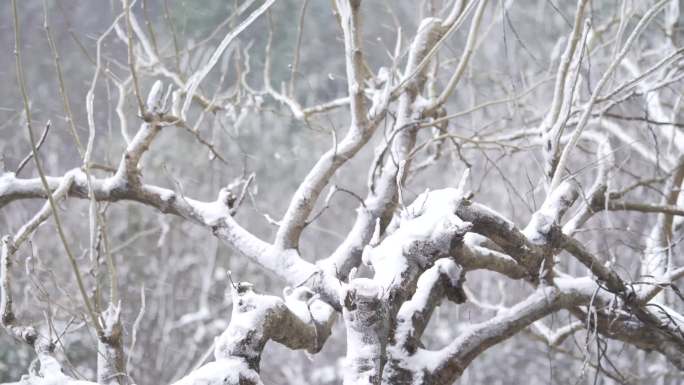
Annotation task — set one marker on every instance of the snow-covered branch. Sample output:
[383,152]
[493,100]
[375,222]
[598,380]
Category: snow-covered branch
[300,321]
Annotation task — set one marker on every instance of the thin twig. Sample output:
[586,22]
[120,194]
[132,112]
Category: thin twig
[28,157]
[41,173]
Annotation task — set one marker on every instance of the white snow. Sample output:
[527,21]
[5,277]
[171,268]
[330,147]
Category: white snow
[430,219]
[211,213]
[219,372]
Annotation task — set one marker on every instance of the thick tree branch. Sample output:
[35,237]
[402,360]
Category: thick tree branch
[383,193]
[444,279]
[447,364]
[299,322]
[359,132]
[215,215]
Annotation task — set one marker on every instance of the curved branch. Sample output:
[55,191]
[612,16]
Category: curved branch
[215,215]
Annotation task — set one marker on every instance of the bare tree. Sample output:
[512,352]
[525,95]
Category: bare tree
[405,253]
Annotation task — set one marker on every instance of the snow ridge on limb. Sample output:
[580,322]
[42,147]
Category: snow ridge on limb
[427,232]
[257,319]
[444,279]
[366,318]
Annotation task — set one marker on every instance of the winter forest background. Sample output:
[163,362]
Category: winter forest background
[258,145]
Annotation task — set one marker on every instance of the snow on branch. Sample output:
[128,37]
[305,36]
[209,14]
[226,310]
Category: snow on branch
[444,279]
[556,337]
[394,154]
[300,321]
[503,232]
[445,365]
[8,319]
[428,230]
[216,215]
[473,255]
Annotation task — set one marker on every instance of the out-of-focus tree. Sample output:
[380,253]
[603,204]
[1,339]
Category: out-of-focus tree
[422,181]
